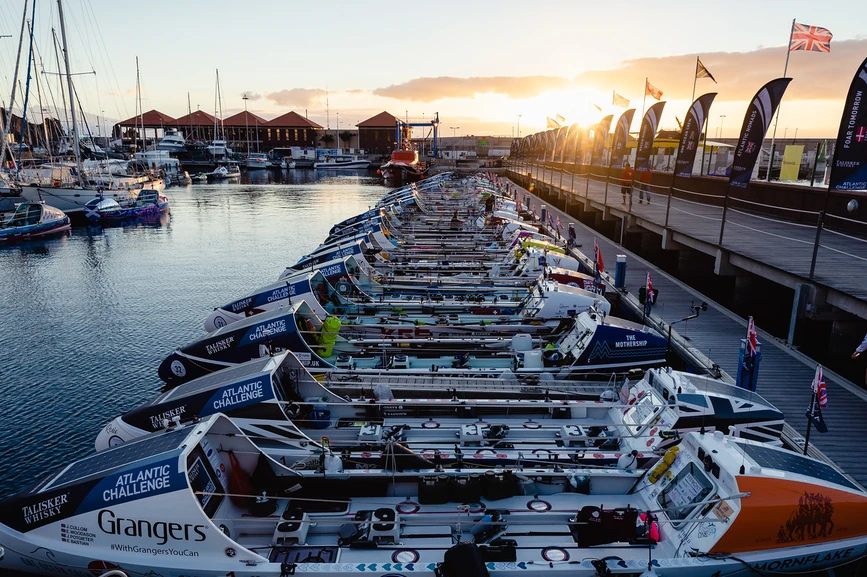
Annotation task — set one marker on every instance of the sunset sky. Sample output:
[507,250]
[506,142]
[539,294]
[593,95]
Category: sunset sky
[479,64]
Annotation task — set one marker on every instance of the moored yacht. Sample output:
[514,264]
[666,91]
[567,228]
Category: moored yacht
[256,161]
[172,142]
[342,162]
[32,220]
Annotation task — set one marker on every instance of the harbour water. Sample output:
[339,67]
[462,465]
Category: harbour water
[88,316]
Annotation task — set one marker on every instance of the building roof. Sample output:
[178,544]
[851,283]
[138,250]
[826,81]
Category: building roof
[240,120]
[149,118]
[293,120]
[381,120]
[197,118]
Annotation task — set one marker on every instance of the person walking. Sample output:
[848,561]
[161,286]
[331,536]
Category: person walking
[644,186]
[861,348]
[626,181]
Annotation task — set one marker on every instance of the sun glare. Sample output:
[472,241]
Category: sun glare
[575,105]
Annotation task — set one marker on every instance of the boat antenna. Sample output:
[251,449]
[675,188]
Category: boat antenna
[75,144]
[4,129]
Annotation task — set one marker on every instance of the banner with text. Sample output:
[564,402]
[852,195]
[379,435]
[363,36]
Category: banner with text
[646,136]
[691,134]
[849,167]
[791,162]
[753,131]
[600,140]
[621,137]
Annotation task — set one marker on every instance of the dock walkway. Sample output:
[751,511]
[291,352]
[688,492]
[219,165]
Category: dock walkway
[785,374]
[776,248]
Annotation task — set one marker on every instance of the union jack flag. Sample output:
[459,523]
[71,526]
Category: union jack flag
[819,387]
[752,339]
[813,38]
[559,224]
[600,266]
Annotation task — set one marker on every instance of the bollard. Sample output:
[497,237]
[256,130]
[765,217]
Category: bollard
[543,213]
[620,272]
[748,369]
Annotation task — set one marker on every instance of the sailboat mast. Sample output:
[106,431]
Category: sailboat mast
[75,143]
[220,99]
[59,75]
[139,115]
[189,115]
[4,129]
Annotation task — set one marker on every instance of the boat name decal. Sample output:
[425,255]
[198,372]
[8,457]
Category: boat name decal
[43,509]
[805,560]
[139,482]
[239,394]
[630,342]
[332,271]
[280,294]
[219,345]
[157,420]
[270,329]
[111,524]
[241,305]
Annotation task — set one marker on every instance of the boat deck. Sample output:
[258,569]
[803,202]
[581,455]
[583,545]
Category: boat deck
[784,374]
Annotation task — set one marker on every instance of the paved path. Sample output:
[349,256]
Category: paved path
[784,375]
[841,261]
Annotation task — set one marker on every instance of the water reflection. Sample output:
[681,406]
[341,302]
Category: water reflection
[88,315]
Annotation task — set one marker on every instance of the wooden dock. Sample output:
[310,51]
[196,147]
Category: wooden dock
[774,247]
[785,374]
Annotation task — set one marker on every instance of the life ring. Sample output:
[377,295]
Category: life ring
[343,288]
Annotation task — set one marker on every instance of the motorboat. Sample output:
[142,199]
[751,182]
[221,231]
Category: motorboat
[218,147]
[172,142]
[342,162]
[148,203]
[204,499]
[256,161]
[33,220]
[223,172]
[433,413]
[593,344]
[403,164]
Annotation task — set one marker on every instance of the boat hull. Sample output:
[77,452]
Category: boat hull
[35,231]
[354,165]
[71,200]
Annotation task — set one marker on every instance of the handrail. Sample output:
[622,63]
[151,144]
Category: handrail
[773,207]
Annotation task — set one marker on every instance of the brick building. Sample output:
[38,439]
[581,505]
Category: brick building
[376,135]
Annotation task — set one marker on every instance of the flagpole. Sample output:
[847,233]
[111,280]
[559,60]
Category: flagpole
[694,80]
[809,422]
[777,117]
[590,165]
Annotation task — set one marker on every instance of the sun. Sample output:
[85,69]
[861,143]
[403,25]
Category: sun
[575,104]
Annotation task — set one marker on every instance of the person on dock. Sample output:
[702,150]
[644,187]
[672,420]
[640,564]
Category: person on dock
[644,186]
[626,181]
[861,348]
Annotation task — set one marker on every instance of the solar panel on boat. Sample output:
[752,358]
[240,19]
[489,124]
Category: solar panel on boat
[122,455]
[792,462]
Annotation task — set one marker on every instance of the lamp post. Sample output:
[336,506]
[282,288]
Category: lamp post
[519,126]
[722,118]
[455,144]
[338,131]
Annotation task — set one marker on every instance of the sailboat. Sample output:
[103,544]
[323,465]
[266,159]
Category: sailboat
[67,187]
[218,146]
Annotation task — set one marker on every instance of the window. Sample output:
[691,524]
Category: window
[689,487]
[269,134]
[296,134]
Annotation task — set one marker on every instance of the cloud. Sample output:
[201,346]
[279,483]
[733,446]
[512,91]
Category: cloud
[301,97]
[251,95]
[816,76]
[429,89]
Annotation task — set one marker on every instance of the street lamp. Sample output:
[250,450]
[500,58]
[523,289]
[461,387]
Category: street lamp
[454,130]
[519,126]
[722,118]
[338,130]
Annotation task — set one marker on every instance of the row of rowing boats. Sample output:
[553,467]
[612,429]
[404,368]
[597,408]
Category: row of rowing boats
[438,389]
